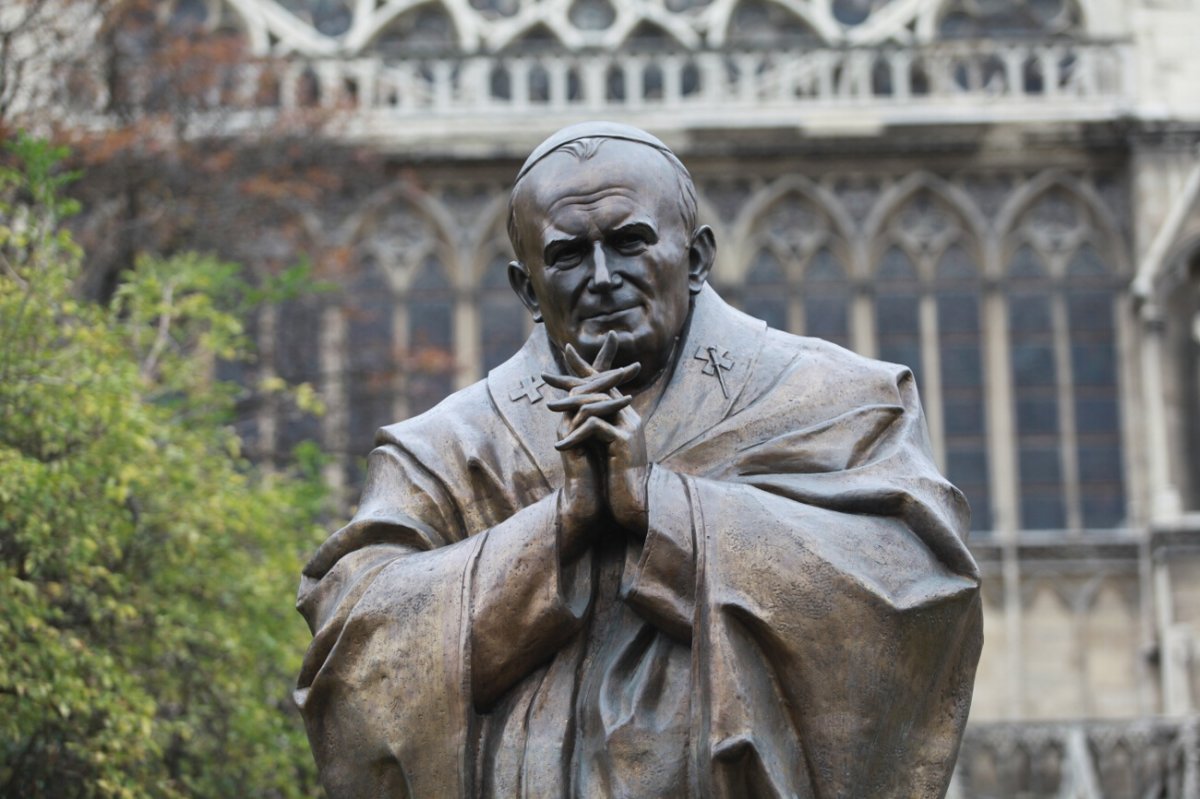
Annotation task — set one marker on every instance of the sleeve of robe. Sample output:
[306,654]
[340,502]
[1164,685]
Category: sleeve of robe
[385,688]
[835,615]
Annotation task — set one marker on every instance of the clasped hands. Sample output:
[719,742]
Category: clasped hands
[603,446]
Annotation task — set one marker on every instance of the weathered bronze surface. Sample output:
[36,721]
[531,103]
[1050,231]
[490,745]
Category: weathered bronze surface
[663,551]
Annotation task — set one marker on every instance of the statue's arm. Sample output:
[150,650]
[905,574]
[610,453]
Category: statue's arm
[527,586]
[530,591]
[660,570]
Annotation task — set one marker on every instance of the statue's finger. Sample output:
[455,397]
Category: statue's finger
[576,401]
[576,363]
[601,409]
[608,380]
[592,428]
[565,382]
[608,351]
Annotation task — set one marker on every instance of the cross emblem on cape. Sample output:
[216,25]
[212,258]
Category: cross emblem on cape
[717,360]
[529,388]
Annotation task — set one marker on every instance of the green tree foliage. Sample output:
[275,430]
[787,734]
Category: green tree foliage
[147,636]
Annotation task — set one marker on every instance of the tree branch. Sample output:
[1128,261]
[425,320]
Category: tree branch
[164,332]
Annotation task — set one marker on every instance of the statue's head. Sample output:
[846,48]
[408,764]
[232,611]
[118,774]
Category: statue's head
[603,223]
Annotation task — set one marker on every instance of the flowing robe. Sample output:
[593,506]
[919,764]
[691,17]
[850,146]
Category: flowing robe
[802,618]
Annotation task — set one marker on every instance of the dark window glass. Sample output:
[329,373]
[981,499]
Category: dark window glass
[1029,312]
[297,327]
[766,293]
[1086,262]
[955,264]
[964,417]
[501,317]
[967,466]
[1037,413]
[896,266]
[1026,264]
[1093,363]
[961,367]
[1042,508]
[429,363]
[1040,465]
[897,312]
[963,403]
[369,363]
[1035,385]
[1097,412]
[1103,505]
[826,299]
[958,312]
[1033,363]
[1099,464]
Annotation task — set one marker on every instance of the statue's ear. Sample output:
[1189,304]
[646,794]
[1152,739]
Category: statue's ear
[701,256]
[522,284]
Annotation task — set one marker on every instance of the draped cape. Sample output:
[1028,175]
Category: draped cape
[802,618]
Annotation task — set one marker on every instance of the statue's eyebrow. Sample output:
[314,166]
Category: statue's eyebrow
[556,246]
[643,230]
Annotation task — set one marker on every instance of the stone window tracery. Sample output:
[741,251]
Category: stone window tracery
[329,17]
[1016,370]
[425,30]
[767,24]
[794,281]
[1062,326]
[326,27]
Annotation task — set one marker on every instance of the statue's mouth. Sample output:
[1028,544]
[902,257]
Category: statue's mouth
[601,315]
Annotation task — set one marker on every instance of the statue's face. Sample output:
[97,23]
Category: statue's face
[604,248]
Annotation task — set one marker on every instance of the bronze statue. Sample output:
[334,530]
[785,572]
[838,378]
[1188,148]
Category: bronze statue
[663,551]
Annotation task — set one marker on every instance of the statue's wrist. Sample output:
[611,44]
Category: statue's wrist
[573,528]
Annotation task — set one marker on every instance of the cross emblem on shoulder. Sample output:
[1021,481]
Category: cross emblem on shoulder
[717,360]
[529,388]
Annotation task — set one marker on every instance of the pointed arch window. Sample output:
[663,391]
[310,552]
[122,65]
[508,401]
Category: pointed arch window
[794,281]
[1062,306]
[958,296]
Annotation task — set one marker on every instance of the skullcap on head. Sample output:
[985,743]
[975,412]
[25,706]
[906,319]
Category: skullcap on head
[588,130]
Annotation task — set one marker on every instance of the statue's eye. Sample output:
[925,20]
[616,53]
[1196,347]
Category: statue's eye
[629,243]
[568,257]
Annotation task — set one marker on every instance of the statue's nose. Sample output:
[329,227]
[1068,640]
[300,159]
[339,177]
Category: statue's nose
[602,278]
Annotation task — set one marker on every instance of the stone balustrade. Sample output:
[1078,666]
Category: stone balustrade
[839,88]
[1081,760]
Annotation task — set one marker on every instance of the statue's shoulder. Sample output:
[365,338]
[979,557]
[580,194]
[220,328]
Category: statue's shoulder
[465,412]
[816,354]
[821,372]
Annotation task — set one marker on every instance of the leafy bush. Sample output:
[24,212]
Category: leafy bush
[147,636]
